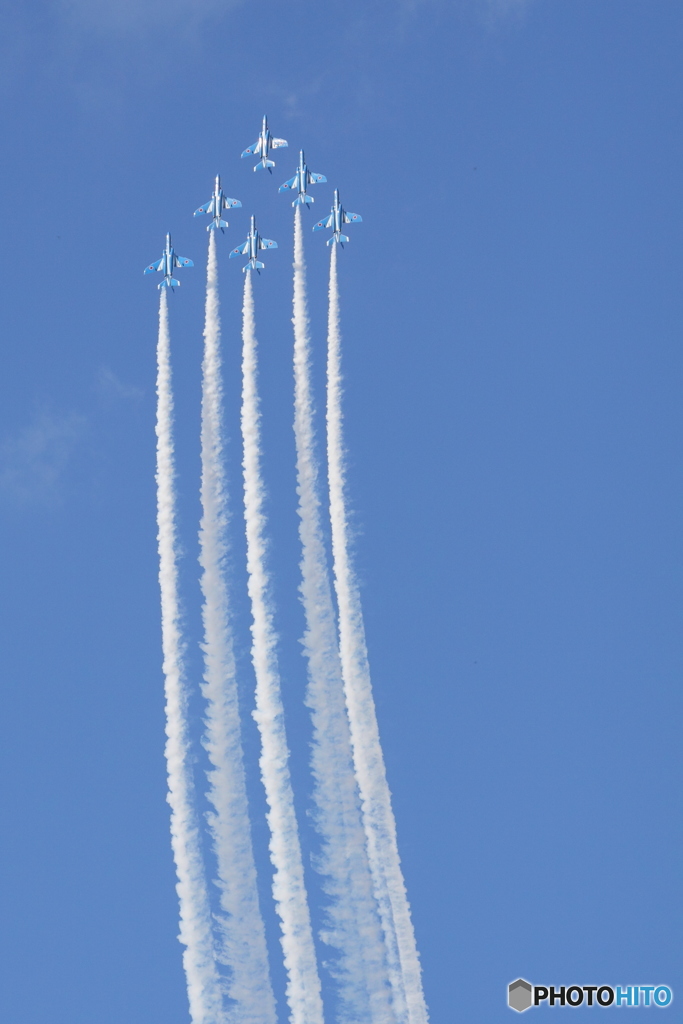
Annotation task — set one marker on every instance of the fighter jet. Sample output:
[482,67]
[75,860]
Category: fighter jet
[335,220]
[215,206]
[167,264]
[251,247]
[263,146]
[301,179]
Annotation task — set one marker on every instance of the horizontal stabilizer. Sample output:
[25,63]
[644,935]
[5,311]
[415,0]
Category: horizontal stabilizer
[254,265]
[342,239]
[220,224]
[169,284]
[303,198]
[262,164]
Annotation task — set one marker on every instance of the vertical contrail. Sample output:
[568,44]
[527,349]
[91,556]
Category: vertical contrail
[378,816]
[352,921]
[241,925]
[303,984]
[203,983]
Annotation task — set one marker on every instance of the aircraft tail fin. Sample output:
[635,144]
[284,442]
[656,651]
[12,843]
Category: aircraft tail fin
[262,164]
[169,284]
[254,265]
[342,239]
[300,200]
[214,225]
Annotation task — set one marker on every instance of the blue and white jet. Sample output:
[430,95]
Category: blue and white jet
[251,248]
[215,206]
[300,181]
[263,146]
[167,264]
[335,220]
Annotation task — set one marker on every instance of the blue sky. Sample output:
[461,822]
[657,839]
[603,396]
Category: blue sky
[511,307]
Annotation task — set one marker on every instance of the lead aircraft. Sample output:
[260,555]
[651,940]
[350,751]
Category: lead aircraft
[335,220]
[263,146]
[252,245]
[301,179]
[167,264]
[215,206]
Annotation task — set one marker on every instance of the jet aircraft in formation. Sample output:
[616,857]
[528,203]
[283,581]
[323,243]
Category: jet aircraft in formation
[167,264]
[300,181]
[336,219]
[254,243]
[215,206]
[263,146]
[251,248]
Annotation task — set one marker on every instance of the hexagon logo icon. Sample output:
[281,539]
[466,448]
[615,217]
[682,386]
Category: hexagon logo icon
[519,995]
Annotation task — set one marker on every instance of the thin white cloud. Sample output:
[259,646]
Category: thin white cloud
[112,389]
[127,17]
[505,8]
[491,12]
[33,461]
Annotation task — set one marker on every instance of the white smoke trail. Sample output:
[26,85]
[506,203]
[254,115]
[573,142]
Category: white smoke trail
[242,930]
[203,983]
[303,984]
[352,921]
[378,816]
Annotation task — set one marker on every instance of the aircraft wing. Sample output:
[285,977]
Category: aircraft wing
[315,178]
[228,202]
[267,243]
[154,266]
[182,261]
[240,249]
[349,218]
[204,209]
[288,184]
[251,150]
[326,223]
[278,143]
